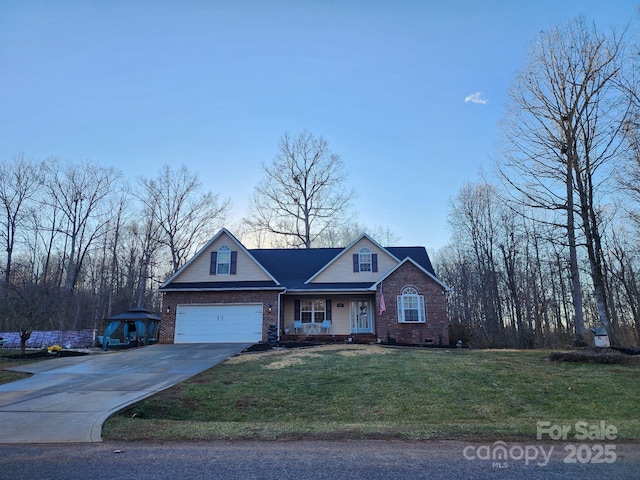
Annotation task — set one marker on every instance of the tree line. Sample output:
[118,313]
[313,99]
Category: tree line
[82,244]
[547,246]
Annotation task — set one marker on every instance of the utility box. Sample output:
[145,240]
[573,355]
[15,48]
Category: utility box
[601,338]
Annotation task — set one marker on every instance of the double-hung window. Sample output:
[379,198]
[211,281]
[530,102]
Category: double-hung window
[224,261]
[364,259]
[223,265]
[411,306]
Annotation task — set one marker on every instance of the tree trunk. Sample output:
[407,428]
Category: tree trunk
[589,219]
[576,288]
[24,336]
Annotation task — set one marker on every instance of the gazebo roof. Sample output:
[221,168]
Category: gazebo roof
[135,314]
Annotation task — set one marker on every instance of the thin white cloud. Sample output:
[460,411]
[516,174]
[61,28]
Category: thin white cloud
[476,98]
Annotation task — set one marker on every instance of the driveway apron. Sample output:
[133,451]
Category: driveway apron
[68,399]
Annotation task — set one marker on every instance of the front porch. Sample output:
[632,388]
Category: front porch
[334,317]
[358,338]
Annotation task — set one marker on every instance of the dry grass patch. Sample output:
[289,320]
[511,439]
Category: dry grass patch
[279,359]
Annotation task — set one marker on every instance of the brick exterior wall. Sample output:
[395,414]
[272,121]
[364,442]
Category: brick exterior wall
[171,300]
[436,329]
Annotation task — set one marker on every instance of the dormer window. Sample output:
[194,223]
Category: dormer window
[364,259]
[223,261]
[223,266]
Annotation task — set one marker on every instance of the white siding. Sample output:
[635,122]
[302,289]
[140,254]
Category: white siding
[341,324]
[199,269]
[341,270]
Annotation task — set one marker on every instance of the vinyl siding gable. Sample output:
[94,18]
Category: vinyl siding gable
[342,268]
[246,269]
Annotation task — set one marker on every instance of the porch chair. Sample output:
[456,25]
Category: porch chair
[297,326]
[326,325]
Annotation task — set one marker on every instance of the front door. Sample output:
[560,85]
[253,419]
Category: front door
[361,319]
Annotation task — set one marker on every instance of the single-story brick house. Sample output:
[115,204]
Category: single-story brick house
[366,292]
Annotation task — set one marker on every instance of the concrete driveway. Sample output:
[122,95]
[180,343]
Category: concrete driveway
[68,399]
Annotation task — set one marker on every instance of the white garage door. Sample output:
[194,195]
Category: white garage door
[218,323]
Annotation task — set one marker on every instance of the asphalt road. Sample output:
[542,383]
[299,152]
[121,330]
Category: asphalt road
[370,460]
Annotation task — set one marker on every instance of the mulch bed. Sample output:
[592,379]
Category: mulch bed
[598,355]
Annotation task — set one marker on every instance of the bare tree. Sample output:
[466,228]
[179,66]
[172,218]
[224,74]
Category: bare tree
[110,259]
[30,306]
[79,192]
[302,193]
[629,177]
[506,275]
[625,271]
[45,227]
[19,183]
[474,215]
[187,216]
[146,235]
[349,232]
[564,131]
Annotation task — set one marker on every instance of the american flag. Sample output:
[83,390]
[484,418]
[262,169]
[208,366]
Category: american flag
[383,305]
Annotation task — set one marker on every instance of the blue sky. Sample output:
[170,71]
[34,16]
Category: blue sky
[409,93]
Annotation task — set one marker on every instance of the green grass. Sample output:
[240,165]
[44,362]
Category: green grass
[7,376]
[378,392]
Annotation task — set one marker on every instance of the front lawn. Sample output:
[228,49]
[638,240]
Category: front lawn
[357,391]
[10,357]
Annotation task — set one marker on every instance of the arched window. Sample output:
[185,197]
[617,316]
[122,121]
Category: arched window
[411,306]
[223,266]
[364,259]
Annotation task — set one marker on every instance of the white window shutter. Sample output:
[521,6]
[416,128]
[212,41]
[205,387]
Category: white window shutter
[422,311]
[400,308]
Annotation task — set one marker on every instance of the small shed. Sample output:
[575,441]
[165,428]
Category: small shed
[140,327]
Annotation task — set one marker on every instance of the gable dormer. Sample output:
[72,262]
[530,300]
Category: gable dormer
[224,259]
[362,261]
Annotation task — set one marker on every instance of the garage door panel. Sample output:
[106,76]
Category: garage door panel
[218,323]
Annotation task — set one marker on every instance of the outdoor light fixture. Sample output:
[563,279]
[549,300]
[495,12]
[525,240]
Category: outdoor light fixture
[269,309]
[168,308]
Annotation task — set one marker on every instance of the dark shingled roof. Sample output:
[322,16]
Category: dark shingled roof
[293,267]
[417,254]
[266,284]
[346,286]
